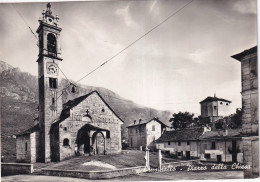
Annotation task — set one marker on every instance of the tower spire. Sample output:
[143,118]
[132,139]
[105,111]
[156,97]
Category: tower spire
[48,11]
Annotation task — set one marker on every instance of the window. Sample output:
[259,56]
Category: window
[142,129]
[207,156]
[215,107]
[227,104]
[179,143]
[188,143]
[53,82]
[221,103]
[153,128]
[213,145]
[66,142]
[180,153]
[26,146]
[253,67]
[103,110]
[169,143]
[136,130]
[73,90]
[51,43]
[65,128]
[52,101]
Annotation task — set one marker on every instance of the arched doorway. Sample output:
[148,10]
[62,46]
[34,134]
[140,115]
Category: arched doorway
[92,139]
[83,141]
[99,143]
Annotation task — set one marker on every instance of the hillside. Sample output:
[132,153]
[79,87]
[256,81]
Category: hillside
[19,101]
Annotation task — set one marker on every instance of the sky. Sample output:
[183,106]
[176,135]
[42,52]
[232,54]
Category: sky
[174,67]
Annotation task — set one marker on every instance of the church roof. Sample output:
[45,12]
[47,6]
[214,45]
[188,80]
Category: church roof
[145,122]
[187,134]
[30,130]
[210,99]
[72,103]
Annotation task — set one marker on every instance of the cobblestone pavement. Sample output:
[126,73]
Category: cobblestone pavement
[165,176]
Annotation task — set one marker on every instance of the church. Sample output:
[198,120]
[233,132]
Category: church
[70,121]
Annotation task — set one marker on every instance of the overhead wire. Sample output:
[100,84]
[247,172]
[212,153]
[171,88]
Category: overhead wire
[148,32]
[24,21]
[111,58]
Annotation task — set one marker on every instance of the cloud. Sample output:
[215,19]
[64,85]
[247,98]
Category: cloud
[246,7]
[124,14]
[198,56]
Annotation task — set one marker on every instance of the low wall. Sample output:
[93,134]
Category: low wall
[15,168]
[108,173]
[94,174]
[176,164]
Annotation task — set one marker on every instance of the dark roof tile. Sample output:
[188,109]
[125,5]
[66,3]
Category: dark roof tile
[30,130]
[187,134]
[210,99]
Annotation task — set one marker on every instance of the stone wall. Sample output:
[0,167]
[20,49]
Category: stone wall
[137,136]
[250,114]
[15,168]
[23,148]
[152,136]
[223,108]
[48,111]
[101,116]
[95,174]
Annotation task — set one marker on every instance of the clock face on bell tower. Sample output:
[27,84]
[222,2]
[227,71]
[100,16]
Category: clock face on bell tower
[52,68]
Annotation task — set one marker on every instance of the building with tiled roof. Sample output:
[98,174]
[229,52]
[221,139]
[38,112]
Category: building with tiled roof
[222,146]
[214,108]
[181,143]
[143,133]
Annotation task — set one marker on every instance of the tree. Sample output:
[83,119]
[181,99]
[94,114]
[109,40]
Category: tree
[181,120]
[201,121]
[236,119]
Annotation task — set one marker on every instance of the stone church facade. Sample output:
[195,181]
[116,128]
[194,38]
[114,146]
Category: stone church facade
[70,121]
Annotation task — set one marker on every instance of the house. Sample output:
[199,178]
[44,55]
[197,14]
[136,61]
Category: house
[182,143]
[71,121]
[214,108]
[221,146]
[250,115]
[143,133]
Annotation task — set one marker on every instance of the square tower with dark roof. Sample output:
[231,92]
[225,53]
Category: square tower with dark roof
[215,108]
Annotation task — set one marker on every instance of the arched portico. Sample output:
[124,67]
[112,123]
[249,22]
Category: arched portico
[91,139]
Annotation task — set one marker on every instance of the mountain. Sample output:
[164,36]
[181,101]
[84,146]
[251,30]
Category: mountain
[19,102]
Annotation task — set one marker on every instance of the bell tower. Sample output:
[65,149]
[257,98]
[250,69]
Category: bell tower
[48,79]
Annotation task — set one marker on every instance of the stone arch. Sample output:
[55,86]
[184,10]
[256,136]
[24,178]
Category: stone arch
[51,43]
[99,142]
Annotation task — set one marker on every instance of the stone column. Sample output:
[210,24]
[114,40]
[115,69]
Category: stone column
[147,160]
[160,158]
